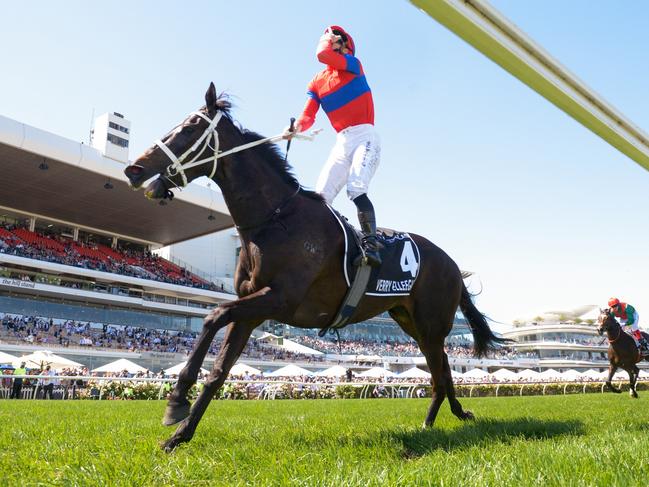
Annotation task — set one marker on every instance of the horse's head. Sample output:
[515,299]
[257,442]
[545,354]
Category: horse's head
[605,320]
[184,154]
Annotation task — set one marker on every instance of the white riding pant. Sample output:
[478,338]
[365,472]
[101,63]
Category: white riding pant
[634,326]
[353,160]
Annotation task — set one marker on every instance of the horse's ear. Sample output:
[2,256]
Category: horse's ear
[210,97]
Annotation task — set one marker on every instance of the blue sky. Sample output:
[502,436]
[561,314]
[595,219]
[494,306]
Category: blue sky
[548,215]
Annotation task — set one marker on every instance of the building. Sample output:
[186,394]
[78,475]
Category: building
[77,241]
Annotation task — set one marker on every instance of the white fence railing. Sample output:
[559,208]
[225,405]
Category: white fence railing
[66,387]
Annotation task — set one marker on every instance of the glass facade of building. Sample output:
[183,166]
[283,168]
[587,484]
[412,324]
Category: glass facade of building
[93,312]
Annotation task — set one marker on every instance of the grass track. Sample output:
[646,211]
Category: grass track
[559,440]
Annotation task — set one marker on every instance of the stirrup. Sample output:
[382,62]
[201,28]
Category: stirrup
[370,251]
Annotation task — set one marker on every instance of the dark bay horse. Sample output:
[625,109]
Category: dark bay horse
[290,264]
[623,352]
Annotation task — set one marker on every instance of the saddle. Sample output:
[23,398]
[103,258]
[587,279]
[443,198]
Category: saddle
[395,277]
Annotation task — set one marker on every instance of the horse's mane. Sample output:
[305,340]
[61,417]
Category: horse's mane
[270,152]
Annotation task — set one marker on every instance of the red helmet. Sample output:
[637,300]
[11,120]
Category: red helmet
[339,31]
[613,302]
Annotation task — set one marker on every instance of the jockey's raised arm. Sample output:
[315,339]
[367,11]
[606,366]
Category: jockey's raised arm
[338,58]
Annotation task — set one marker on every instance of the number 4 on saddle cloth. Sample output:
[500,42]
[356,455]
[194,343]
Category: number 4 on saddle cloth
[395,277]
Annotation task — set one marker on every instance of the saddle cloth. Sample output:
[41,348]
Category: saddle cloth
[399,253]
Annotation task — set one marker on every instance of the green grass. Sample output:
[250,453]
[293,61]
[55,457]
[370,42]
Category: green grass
[560,440]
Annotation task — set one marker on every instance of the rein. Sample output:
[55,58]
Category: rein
[178,165]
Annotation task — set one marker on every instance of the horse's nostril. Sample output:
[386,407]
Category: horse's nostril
[134,170]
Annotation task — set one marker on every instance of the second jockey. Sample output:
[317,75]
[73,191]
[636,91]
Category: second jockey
[342,91]
[629,319]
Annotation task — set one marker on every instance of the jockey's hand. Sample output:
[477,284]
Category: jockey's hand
[330,37]
[288,134]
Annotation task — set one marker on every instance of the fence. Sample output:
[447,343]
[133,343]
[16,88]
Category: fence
[101,388]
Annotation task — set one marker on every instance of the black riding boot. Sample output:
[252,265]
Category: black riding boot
[370,243]
[644,345]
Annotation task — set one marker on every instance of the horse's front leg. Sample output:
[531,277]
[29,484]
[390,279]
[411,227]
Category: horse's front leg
[236,337]
[633,379]
[252,309]
[611,371]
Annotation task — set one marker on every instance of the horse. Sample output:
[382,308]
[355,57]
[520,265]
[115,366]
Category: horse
[622,351]
[290,264]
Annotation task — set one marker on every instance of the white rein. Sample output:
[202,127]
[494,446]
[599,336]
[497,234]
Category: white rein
[179,165]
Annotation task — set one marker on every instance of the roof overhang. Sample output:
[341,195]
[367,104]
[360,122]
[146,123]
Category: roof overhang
[71,190]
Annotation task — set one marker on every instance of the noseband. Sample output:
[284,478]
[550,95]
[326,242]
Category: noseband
[179,165]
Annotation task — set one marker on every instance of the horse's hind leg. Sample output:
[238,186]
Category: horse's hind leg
[456,407]
[236,337]
[434,354]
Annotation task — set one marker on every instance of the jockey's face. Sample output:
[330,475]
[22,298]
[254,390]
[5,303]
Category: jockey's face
[338,46]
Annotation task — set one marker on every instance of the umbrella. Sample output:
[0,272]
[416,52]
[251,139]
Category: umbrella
[644,374]
[334,371]
[528,374]
[243,369]
[591,374]
[42,358]
[505,374]
[290,370]
[549,374]
[5,358]
[175,370]
[414,373]
[456,375]
[475,374]
[119,366]
[376,372]
[571,375]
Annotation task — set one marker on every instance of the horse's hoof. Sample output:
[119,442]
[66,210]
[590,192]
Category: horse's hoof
[170,445]
[176,413]
[467,416]
[425,426]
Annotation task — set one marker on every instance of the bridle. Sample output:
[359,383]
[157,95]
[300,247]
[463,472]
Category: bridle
[179,166]
[619,331]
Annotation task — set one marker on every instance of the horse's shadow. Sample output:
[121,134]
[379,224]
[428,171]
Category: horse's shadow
[417,443]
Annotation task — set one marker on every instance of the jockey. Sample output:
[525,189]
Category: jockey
[629,319]
[342,91]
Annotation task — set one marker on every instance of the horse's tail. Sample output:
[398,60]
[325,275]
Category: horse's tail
[483,337]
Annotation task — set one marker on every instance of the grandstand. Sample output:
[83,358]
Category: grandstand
[77,243]
[82,270]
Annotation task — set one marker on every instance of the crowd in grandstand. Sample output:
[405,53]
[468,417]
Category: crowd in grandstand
[46,331]
[67,333]
[15,240]
[455,347]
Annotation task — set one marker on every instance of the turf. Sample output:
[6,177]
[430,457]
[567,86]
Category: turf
[559,440]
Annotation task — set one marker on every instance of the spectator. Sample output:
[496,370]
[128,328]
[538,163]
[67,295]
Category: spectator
[47,382]
[17,388]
